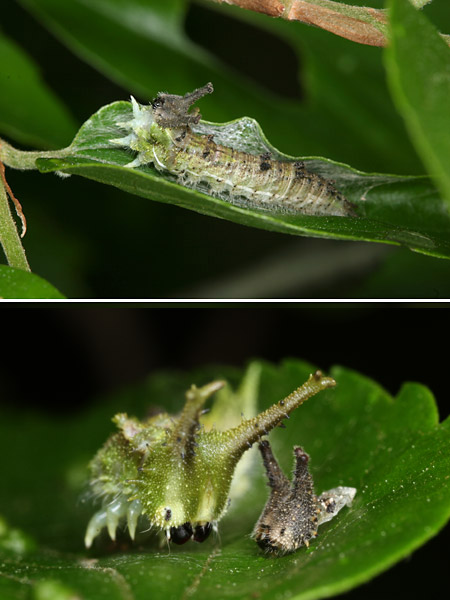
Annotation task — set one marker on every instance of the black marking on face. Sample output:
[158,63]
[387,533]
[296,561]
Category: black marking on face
[181,534]
[158,102]
[201,532]
[264,543]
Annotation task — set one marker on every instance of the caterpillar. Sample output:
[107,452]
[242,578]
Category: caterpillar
[164,134]
[172,471]
[293,512]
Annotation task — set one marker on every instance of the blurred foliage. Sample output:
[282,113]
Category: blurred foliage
[311,92]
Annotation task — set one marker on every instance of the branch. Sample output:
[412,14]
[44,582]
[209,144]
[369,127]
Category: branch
[360,24]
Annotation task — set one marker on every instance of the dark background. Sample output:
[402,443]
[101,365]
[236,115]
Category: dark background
[60,359]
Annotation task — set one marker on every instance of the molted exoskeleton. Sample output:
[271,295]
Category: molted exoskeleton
[167,134]
[293,512]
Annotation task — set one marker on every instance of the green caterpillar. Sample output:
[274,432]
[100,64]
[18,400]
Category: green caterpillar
[165,135]
[173,471]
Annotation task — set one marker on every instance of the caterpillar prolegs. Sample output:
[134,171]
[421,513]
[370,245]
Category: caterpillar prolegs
[164,134]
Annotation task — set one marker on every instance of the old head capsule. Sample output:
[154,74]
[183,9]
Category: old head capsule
[293,512]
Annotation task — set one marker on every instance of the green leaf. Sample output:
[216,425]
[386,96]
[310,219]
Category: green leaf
[18,284]
[393,450]
[393,209]
[418,65]
[29,111]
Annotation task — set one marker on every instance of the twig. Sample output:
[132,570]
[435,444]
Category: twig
[361,24]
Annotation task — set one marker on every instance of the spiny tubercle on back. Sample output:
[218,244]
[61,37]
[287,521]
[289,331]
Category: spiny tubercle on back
[173,472]
[162,135]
